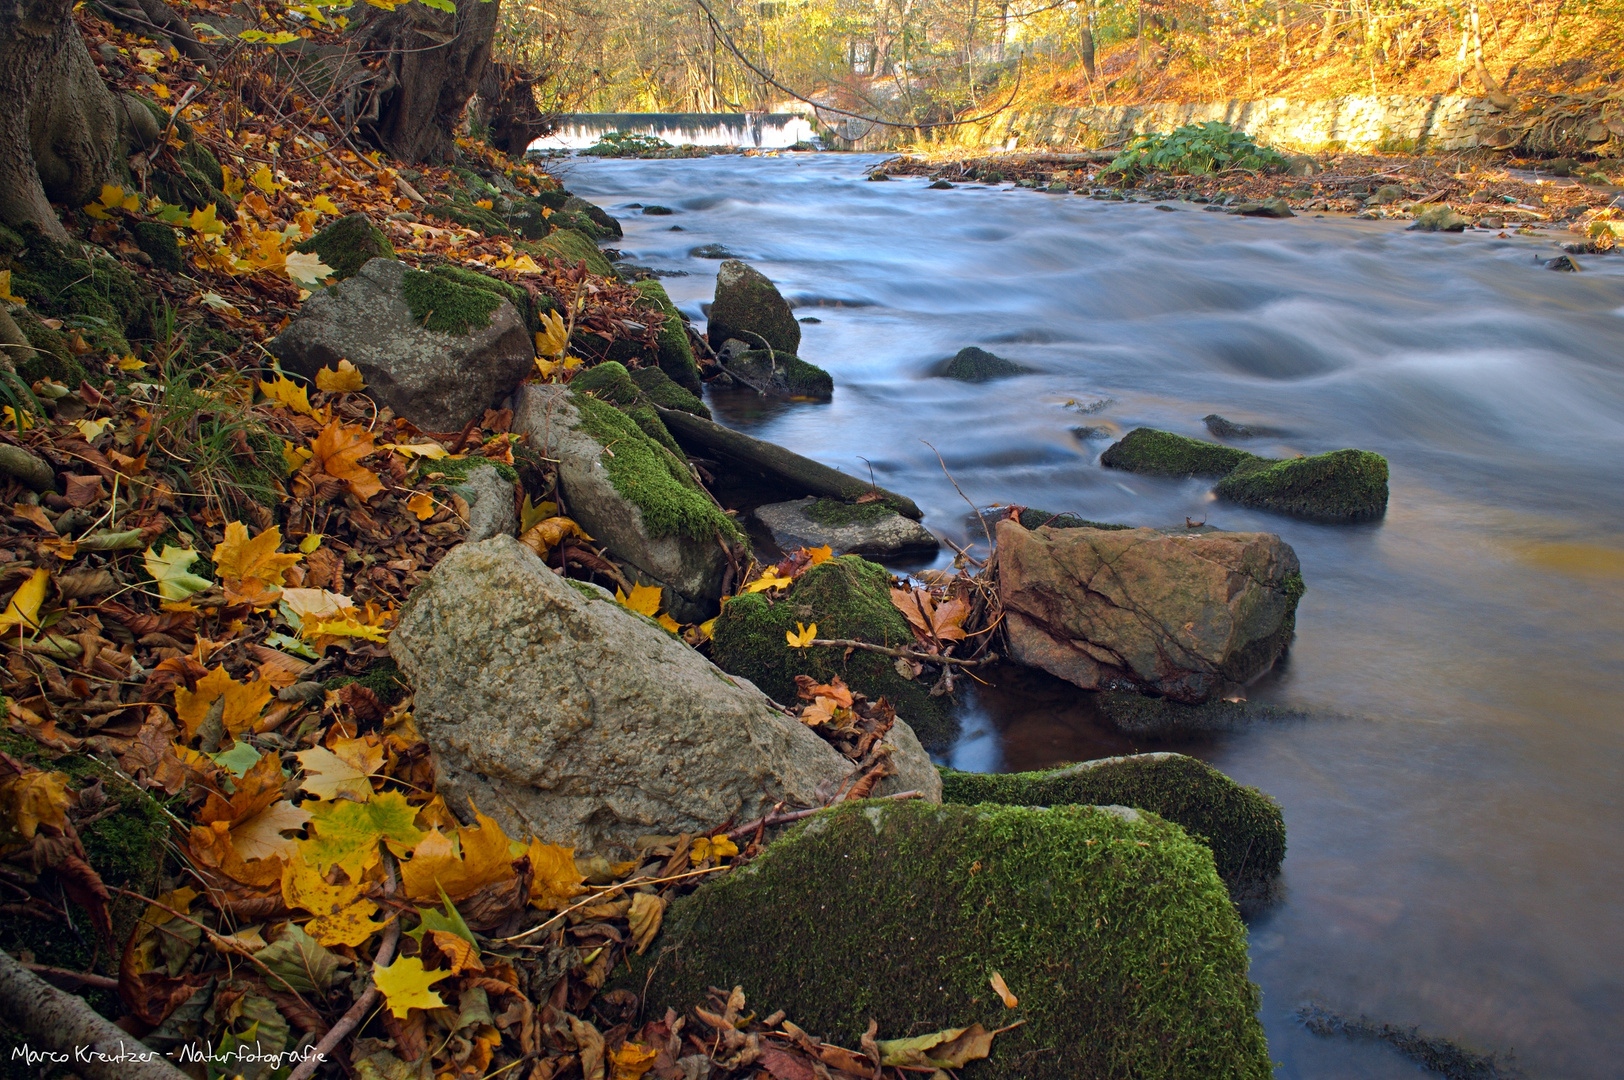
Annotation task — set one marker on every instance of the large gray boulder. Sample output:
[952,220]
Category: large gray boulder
[439,379]
[565,715]
[871,528]
[632,495]
[748,304]
[1176,614]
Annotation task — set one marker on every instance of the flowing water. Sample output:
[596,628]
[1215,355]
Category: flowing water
[1452,789]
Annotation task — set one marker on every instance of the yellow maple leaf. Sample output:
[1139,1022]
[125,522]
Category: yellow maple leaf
[327,776]
[669,624]
[820,555]
[346,379]
[243,702]
[707,847]
[346,834]
[338,450]
[349,624]
[435,864]
[204,221]
[325,205]
[546,534]
[266,182]
[404,984]
[802,636]
[23,611]
[553,337]
[556,881]
[264,253]
[343,916]
[645,599]
[5,290]
[251,569]
[233,183]
[421,505]
[169,570]
[432,451]
[32,799]
[260,836]
[768,580]
[285,392]
[631,1060]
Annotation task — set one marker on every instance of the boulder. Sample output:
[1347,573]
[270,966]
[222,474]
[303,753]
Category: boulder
[748,304]
[640,501]
[849,598]
[975,365]
[662,391]
[564,714]
[1108,924]
[1340,486]
[780,374]
[1269,208]
[1439,219]
[348,244]
[871,528]
[1243,827]
[1180,615]
[472,352]
[489,496]
[676,356]
[1387,193]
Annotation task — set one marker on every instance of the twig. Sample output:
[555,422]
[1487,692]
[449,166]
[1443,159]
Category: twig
[905,654]
[84,978]
[979,515]
[797,815]
[597,896]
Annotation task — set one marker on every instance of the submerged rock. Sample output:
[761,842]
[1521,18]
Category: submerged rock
[1243,827]
[1179,615]
[564,714]
[971,364]
[848,598]
[1108,924]
[436,351]
[1270,208]
[873,528]
[641,502]
[1228,429]
[1340,486]
[748,306]
[708,251]
[780,374]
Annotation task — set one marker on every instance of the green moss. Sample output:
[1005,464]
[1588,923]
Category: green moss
[611,382]
[1116,935]
[530,308]
[978,365]
[655,480]
[52,358]
[847,597]
[1162,453]
[453,471]
[835,513]
[1241,825]
[1032,519]
[785,372]
[572,247]
[1295,588]
[1343,486]
[90,292]
[382,677]
[449,307]
[158,241]
[465,213]
[659,388]
[676,352]
[349,244]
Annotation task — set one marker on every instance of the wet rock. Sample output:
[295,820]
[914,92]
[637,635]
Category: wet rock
[1178,615]
[941,185]
[437,352]
[1491,221]
[748,307]
[489,496]
[641,502]
[1269,208]
[878,176]
[1142,969]
[349,244]
[862,528]
[708,251]
[1094,432]
[1057,187]
[808,319]
[1228,429]
[1032,518]
[971,364]
[563,714]
[848,598]
[597,215]
[1243,827]
[1439,219]
[1561,262]
[658,211]
[780,374]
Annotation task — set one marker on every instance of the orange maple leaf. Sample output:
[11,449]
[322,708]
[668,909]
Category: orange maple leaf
[251,570]
[338,451]
[243,702]
[486,858]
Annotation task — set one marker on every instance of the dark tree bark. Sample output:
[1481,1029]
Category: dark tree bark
[59,124]
[435,61]
[507,105]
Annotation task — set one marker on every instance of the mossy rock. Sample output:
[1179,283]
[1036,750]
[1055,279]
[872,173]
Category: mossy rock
[848,597]
[572,247]
[442,303]
[1243,827]
[383,677]
[1341,486]
[659,388]
[978,365]
[469,216]
[158,241]
[611,382]
[529,307]
[748,306]
[348,244]
[52,359]
[84,288]
[676,352]
[1033,519]
[1109,925]
[836,513]
[784,374]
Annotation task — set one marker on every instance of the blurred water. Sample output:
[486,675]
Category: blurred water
[1453,798]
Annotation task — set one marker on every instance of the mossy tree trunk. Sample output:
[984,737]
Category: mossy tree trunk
[59,124]
[435,61]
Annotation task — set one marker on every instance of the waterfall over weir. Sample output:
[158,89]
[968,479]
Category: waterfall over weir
[577,131]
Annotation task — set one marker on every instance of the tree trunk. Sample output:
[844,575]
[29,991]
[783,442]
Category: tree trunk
[435,61]
[59,124]
[508,98]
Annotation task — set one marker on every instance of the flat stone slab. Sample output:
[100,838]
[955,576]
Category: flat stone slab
[889,535]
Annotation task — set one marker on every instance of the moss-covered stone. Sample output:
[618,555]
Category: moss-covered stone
[530,308]
[1145,717]
[349,244]
[158,241]
[1243,827]
[1343,485]
[749,307]
[87,290]
[440,303]
[52,358]
[611,382]
[1340,486]
[469,216]
[1110,927]
[651,477]
[453,471]
[1033,519]
[836,513]
[978,365]
[676,353]
[847,597]
[659,388]
[572,247]
[784,373]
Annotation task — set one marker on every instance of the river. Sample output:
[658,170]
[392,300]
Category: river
[1452,787]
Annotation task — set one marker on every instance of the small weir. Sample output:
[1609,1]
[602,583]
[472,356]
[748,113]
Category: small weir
[762,130]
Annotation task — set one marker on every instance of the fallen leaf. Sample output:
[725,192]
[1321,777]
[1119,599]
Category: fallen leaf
[648,911]
[631,1060]
[251,569]
[462,954]
[819,555]
[802,637]
[31,799]
[260,837]
[23,611]
[299,959]
[768,580]
[308,270]
[347,833]
[645,599]
[405,985]
[243,702]
[169,570]
[329,777]
[343,916]
[421,505]
[338,450]
[546,534]
[436,865]
[556,881]
[346,379]
[950,1049]
[1002,990]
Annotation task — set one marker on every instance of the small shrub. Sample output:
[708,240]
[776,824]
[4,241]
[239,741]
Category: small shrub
[627,144]
[1195,149]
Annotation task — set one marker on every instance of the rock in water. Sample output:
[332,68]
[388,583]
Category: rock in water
[872,528]
[1271,208]
[1242,826]
[1439,219]
[971,364]
[473,351]
[780,374]
[1178,615]
[748,304]
[1108,924]
[564,714]
[640,500]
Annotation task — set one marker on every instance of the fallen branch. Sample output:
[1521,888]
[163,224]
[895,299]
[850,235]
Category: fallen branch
[797,815]
[905,654]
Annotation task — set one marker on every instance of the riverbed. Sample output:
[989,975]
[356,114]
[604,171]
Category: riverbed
[1452,778]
